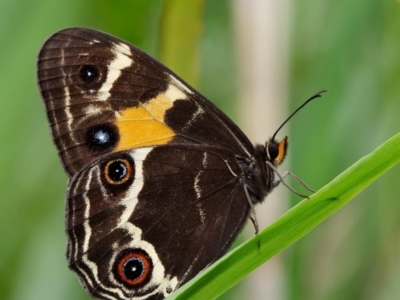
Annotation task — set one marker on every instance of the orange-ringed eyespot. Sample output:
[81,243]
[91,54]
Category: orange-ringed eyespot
[118,171]
[134,267]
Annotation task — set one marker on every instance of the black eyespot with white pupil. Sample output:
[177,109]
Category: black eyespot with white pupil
[118,171]
[134,268]
[102,137]
[89,73]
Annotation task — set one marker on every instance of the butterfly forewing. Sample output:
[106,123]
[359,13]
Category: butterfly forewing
[104,95]
[179,209]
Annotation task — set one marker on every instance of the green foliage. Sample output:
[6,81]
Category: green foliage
[350,48]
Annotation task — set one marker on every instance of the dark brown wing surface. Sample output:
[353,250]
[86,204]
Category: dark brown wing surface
[143,222]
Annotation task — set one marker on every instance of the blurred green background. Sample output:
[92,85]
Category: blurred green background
[351,48]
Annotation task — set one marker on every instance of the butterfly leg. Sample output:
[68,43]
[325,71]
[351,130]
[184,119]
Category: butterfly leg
[281,179]
[253,216]
[288,173]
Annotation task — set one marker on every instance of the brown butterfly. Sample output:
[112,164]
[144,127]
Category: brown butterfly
[160,180]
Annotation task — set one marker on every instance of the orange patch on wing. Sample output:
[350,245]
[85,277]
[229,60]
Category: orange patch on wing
[144,125]
[281,151]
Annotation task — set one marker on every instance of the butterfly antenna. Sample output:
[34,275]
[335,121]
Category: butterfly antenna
[317,95]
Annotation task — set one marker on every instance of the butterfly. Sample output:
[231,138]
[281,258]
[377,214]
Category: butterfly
[161,181]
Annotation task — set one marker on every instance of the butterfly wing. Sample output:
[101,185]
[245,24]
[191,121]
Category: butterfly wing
[143,222]
[104,95]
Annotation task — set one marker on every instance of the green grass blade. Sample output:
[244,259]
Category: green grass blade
[292,225]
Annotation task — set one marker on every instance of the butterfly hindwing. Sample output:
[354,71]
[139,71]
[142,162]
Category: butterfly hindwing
[171,209]
[104,95]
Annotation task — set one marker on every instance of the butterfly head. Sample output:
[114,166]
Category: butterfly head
[276,151]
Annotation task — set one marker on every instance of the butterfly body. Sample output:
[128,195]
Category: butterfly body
[161,181]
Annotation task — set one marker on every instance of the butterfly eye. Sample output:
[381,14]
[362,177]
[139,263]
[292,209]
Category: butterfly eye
[89,73]
[276,152]
[272,151]
[134,268]
[118,171]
